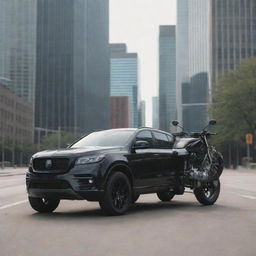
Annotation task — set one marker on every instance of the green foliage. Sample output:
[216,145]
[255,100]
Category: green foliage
[52,141]
[23,151]
[234,103]
[6,143]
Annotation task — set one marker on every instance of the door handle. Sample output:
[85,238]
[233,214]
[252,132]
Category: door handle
[156,154]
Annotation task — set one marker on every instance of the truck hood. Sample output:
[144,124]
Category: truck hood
[74,152]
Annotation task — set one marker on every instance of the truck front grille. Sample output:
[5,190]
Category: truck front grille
[51,164]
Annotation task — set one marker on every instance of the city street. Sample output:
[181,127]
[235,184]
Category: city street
[181,227]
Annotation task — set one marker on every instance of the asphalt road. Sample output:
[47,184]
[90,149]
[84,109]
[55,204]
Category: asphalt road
[181,227]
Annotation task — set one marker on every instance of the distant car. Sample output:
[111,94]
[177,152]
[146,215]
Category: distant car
[112,167]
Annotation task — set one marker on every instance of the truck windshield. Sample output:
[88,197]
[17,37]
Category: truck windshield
[105,138]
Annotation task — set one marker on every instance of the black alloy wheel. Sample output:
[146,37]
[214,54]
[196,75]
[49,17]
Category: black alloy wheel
[208,193]
[117,196]
[43,204]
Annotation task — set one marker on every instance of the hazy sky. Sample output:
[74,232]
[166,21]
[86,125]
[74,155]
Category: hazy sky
[136,23]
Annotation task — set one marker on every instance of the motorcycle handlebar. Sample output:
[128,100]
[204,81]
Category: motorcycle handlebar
[198,134]
[178,134]
[194,134]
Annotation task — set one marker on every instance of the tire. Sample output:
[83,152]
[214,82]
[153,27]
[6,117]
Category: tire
[208,193]
[117,196]
[135,197]
[165,196]
[43,205]
[217,165]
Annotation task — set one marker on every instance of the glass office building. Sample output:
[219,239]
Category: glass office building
[167,77]
[193,62]
[212,37]
[18,46]
[72,68]
[233,34]
[155,112]
[124,78]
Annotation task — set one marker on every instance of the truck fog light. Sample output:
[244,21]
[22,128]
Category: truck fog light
[90,181]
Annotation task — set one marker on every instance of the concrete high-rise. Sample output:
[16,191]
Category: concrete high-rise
[167,76]
[16,119]
[119,111]
[124,78]
[212,37]
[18,46]
[72,69]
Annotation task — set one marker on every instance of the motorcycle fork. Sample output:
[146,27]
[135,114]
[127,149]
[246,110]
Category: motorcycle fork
[207,150]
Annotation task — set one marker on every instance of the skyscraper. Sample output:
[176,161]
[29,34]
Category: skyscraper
[167,76]
[124,78]
[72,71]
[212,37]
[18,46]
[155,112]
[16,119]
[233,34]
[119,111]
[142,113]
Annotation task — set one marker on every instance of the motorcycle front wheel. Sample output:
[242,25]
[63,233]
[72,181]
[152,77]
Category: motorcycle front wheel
[208,193]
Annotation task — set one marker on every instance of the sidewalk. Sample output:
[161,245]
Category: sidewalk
[10,171]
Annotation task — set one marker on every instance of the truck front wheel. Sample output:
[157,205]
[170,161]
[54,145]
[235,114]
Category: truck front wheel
[43,204]
[117,196]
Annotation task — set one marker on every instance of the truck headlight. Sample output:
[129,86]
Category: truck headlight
[89,159]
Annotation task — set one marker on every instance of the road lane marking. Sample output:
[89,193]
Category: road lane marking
[249,197]
[13,204]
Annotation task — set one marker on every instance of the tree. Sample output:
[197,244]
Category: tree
[234,103]
[64,138]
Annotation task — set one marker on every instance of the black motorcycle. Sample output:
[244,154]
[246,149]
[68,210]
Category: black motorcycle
[203,164]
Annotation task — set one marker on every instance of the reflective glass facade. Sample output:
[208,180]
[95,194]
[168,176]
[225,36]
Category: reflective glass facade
[72,71]
[213,37]
[233,34]
[193,62]
[155,112]
[124,78]
[167,77]
[18,46]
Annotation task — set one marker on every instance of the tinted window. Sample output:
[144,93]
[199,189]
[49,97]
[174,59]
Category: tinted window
[162,140]
[105,138]
[145,135]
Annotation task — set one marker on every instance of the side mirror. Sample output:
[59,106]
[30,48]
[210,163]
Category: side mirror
[212,122]
[141,144]
[175,122]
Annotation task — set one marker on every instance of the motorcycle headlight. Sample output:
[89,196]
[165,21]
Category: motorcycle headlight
[89,159]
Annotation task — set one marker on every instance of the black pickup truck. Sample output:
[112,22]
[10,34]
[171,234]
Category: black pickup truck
[114,167]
